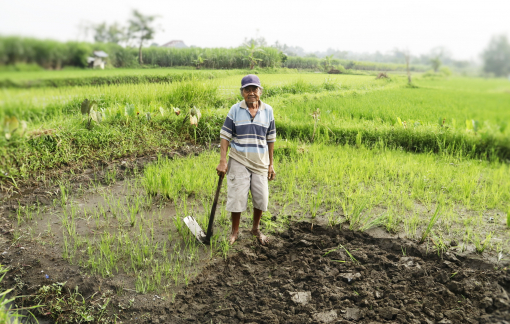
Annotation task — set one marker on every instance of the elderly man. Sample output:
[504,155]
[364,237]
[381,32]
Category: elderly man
[250,129]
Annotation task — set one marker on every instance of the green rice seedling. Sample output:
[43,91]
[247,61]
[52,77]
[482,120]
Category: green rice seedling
[369,222]
[110,176]
[267,222]
[411,225]
[141,284]
[440,245]
[133,211]
[431,224]
[353,259]
[18,214]
[508,218]
[315,202]
[332,250]
[392,220]
[481,246]
[333,218]
[64,195]
[224,247]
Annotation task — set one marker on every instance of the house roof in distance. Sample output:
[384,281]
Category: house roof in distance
[175,44]
[100,54]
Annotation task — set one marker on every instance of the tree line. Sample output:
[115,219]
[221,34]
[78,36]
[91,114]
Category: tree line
[125,47]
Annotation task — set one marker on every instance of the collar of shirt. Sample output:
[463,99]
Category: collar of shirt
[262,106]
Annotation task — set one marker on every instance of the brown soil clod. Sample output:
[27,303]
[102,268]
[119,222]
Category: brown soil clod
[293,281]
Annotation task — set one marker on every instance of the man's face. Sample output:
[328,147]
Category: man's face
[251,94]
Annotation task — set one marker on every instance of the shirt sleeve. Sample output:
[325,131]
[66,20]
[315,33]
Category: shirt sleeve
[228,128]
[271,131]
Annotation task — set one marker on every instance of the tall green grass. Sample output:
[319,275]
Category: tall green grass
[365,187]
[354,110]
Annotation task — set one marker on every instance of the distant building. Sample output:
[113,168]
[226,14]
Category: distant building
[175,44]
[98,60]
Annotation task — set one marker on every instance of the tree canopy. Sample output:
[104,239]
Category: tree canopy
[496,56]
[109,34]
[142,29]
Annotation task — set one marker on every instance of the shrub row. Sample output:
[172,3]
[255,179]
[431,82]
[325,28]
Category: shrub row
[313,63]
[56,55]
[52,54]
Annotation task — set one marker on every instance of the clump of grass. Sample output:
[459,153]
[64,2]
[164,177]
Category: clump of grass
[373,222]
[432,222]
[481,246]
[355,217]
[353,259]
[70,306]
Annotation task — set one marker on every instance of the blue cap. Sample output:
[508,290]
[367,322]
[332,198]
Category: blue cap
[249,80]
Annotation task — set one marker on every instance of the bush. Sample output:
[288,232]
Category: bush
[445,71]
[340,68]
[21,67]
[312,63]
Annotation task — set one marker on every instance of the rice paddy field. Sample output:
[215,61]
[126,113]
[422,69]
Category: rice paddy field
[93,206]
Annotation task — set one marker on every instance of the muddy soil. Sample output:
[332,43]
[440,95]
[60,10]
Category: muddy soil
[391,281]
[305,275]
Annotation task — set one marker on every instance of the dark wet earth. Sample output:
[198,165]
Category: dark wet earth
[296,280]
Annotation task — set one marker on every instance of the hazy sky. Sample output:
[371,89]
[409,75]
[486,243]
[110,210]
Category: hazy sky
[463,26]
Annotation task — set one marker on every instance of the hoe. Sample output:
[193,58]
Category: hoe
[195,228]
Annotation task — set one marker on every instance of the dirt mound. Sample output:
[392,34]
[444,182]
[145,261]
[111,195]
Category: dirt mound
[382,75]
[333,276]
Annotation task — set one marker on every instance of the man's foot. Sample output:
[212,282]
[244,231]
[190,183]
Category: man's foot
[233,238]
[261,237]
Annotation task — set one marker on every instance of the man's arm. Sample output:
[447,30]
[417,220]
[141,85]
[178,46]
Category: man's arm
[271,175]
[222,168]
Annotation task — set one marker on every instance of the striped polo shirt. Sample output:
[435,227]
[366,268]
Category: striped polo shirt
[249,137]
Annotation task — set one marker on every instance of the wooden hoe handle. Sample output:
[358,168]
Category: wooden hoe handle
[213,210]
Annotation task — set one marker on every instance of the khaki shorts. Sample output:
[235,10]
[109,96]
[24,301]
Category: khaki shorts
[240,180]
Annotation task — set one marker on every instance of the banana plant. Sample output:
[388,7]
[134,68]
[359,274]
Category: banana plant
[251,49]
[199,61]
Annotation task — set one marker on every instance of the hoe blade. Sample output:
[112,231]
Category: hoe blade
[195,228]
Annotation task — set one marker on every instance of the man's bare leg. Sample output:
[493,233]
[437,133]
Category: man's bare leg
[257,215]
[236,218]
